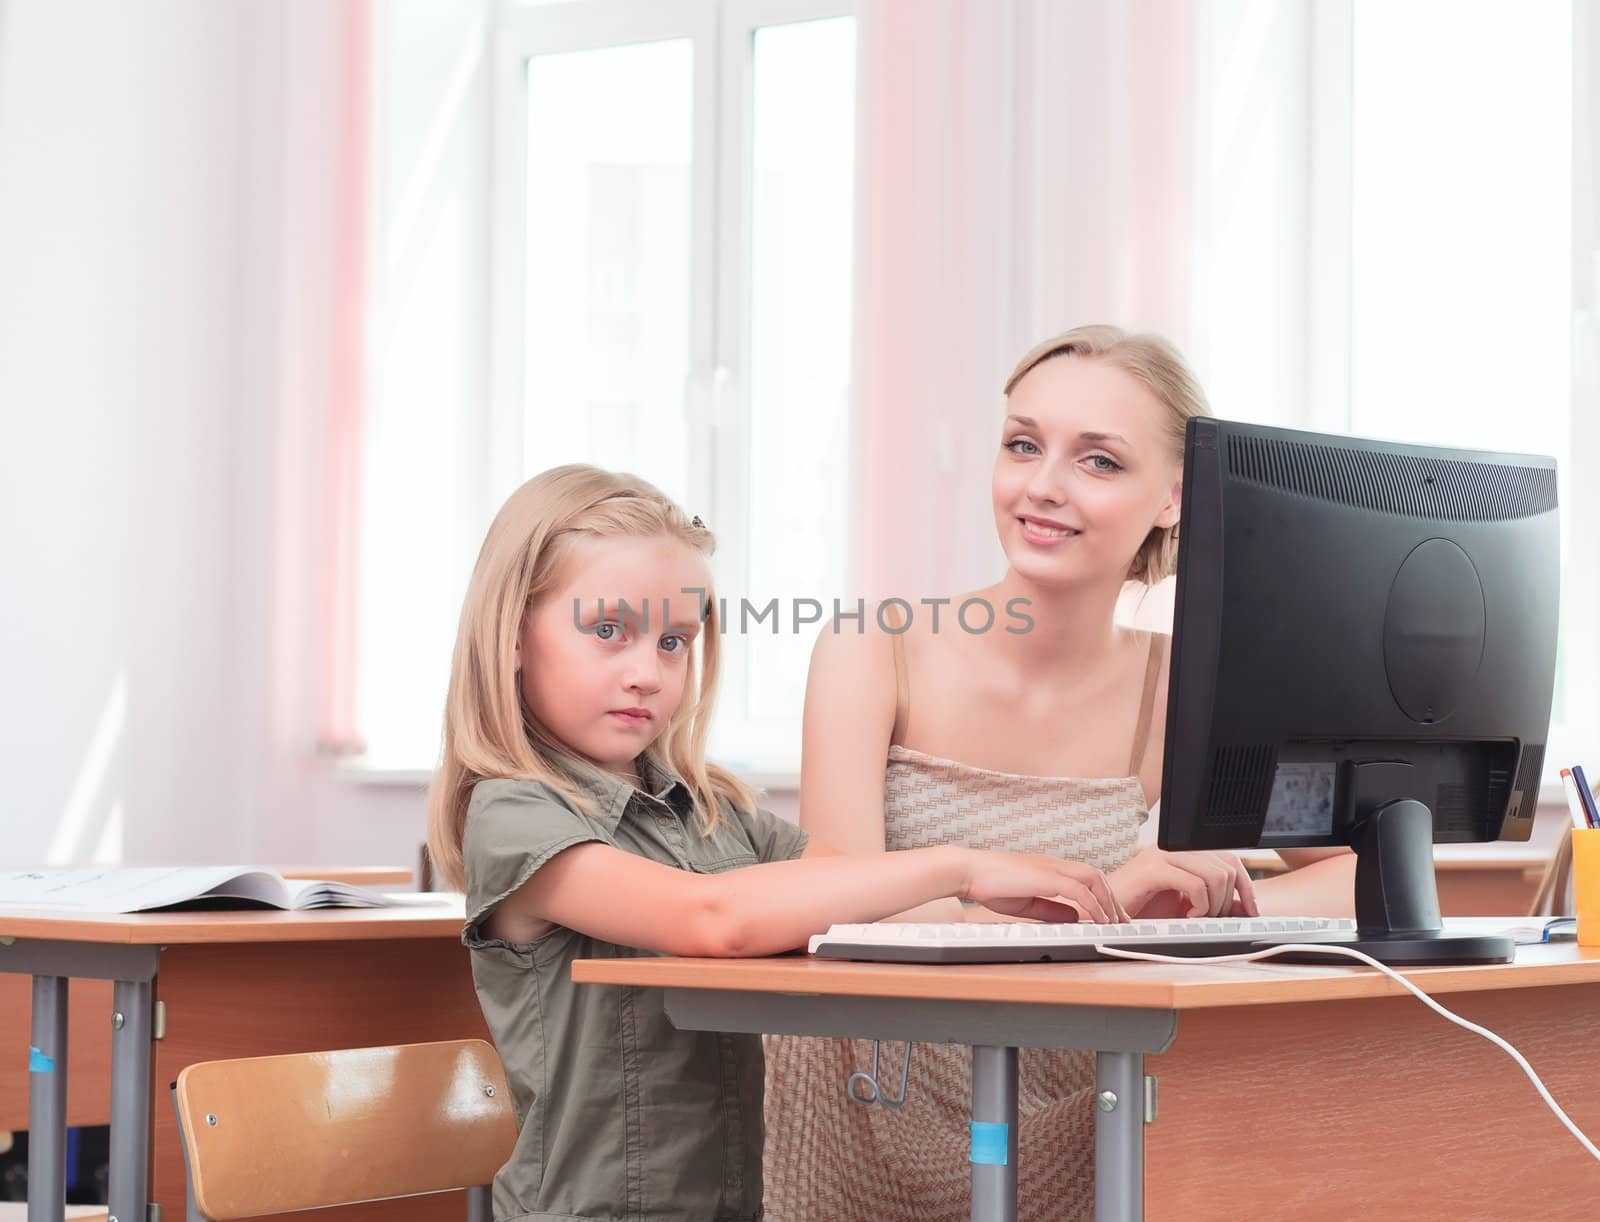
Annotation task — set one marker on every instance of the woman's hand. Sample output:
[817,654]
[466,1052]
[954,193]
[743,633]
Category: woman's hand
[1040,887]
[1156,884]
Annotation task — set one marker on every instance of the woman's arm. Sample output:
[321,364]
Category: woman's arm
[845,731]
[848,722]
[619,897]
[1319,882]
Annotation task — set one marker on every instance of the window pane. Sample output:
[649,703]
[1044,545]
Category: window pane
[608,260]
[802,202]
[1461,297]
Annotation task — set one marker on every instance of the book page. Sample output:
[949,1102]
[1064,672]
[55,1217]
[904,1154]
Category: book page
[317,893]
[135,889]
[1523,930]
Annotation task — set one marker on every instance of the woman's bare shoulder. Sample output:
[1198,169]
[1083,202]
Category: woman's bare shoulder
[853,661]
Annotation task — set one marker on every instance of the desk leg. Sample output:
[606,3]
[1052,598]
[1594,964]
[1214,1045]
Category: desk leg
[994,1149]
[129,1170]
[1119,1137]
[47,1102]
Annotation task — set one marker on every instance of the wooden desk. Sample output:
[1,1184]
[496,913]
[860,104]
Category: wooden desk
[229,985]
[1474,879]
[1285,1091]
[88,1102]
[384,878]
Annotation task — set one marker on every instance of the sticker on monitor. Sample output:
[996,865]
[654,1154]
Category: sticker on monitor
[1302,800]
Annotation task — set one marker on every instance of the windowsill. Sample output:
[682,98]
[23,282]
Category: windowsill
[357,771]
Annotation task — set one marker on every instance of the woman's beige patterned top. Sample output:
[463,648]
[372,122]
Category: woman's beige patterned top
[830,1160]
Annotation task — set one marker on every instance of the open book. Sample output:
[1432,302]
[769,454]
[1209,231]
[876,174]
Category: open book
[1524,931]
[148,888]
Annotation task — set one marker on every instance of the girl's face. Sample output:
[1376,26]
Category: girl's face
[606,684]
[1086,469]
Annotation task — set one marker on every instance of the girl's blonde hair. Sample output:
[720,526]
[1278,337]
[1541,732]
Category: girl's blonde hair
[488,731]
[1159,365]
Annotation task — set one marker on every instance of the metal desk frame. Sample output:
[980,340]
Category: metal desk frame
[1119,1036]
[133,969]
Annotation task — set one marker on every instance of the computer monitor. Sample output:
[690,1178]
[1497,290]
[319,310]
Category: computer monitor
[1363,654]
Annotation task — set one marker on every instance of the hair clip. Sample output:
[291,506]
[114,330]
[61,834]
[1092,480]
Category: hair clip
[697,523]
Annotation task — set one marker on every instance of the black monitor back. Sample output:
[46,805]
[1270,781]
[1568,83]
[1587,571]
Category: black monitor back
[1357,622]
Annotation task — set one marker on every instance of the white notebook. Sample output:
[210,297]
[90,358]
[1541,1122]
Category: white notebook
[147,888]
[1523,930]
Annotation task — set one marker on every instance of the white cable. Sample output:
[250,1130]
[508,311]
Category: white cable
[1329,948]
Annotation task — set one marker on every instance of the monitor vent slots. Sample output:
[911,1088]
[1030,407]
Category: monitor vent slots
[1241,784]
[1394,483]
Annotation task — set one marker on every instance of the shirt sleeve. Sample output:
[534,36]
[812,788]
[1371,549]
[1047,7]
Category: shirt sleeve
[773,839]
[512,829]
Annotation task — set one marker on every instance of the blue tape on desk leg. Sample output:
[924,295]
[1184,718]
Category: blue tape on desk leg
[989,1142]
[39,1063]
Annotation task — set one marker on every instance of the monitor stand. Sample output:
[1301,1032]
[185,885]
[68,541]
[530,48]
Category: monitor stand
[1397,897]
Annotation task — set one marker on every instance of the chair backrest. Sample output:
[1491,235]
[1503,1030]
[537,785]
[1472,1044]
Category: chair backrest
[424,868]
[1554,894]
[268,1135]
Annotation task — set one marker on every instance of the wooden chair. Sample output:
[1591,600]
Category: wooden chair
[362,1124]
[1554,896]
[424,869]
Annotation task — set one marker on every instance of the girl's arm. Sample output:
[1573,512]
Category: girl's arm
[619,897]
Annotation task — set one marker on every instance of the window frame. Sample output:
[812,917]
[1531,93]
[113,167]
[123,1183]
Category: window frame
[716,399]
[1329,406]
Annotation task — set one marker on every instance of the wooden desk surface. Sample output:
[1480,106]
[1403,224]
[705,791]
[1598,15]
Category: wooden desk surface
[431,915]
[1447,858]
[1144,985]
[256,983]
[358,876]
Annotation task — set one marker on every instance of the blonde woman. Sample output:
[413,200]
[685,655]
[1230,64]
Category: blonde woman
[575,804]
[1043,737]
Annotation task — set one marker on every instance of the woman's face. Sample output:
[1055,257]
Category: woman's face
[1086,469]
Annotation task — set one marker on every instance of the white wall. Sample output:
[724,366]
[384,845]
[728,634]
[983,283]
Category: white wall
[119,308]
[167,179]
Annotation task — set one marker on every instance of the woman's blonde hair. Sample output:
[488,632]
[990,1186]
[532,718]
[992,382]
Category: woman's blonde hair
[1159,365]
[488,731]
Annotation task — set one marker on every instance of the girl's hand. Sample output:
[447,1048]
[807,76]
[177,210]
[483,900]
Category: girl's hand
[1040,887]
[1157,884]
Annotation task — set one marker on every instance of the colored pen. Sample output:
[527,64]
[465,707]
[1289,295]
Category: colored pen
[1574,806]
[1586,795]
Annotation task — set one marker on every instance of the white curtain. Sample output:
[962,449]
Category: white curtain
[1027,167]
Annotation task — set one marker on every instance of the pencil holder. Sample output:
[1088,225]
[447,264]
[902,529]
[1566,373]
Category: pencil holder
[1586,884]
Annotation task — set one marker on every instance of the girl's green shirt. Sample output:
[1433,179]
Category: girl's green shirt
[620,1114]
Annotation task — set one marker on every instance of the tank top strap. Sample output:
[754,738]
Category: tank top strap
[1147,702]
[902,686]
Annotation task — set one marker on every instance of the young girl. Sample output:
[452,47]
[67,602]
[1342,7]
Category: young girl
[575,803]
[1048,740]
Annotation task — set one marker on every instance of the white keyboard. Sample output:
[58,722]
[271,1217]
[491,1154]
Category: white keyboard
[1019,942]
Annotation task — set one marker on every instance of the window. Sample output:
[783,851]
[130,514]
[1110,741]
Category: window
[1462,258]
[672,261]
[1390,239]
